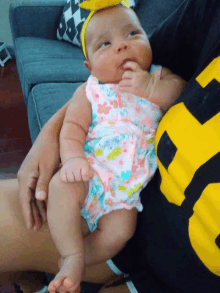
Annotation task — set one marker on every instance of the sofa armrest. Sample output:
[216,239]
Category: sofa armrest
[35,18]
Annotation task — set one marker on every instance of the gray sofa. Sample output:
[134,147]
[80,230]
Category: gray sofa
[50,70]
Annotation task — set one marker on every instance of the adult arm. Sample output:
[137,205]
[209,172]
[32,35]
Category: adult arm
[37,170]
[178,42]
[165,91]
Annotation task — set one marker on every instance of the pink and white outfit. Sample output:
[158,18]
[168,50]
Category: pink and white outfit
[120,147]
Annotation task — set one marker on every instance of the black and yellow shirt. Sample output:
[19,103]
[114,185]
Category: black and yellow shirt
[177,242]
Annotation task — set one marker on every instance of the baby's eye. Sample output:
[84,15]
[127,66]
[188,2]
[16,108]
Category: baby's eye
[133,33]
[104,44]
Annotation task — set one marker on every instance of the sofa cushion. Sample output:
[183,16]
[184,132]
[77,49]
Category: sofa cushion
[72,20]
[45,61]
[44,101]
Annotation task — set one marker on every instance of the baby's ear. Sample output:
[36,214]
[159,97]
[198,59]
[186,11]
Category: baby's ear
[87,65]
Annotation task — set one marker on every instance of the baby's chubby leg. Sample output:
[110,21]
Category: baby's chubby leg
[64,220]
[113,232]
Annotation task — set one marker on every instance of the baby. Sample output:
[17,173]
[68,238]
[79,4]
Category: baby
[107,143]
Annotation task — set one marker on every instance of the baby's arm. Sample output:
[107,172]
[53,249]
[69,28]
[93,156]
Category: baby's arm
[163,92]
[72,139]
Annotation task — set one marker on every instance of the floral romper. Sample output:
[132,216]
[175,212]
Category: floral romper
[120,147]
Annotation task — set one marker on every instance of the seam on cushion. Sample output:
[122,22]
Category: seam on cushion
[23,80]
[37,6]
[28,84]
[35,105]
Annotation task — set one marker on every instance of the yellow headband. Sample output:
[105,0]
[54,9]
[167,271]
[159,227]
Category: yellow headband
[95,5]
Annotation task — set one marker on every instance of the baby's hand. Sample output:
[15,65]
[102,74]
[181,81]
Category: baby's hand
[76,169]
[135,80]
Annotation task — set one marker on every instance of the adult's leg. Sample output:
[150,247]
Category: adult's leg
[119,289]
[29,281]
[26,250]
[22,249]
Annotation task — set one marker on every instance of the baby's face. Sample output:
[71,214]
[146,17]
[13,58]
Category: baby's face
[114,36]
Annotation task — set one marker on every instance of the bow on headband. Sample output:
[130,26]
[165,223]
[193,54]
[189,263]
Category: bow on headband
[98,4]
[95,5]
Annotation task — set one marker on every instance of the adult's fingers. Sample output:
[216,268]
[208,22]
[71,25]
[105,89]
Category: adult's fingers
[36,215]
[43,183]
[27,207]
[42,207]
[26,186]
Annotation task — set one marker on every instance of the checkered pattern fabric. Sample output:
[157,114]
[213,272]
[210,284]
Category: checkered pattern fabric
[72,20]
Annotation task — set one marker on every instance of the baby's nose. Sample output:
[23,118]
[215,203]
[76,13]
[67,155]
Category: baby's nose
[121,47]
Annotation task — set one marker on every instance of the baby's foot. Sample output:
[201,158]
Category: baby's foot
[69,277]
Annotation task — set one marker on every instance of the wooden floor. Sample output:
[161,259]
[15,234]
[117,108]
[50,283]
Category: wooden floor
[15,139]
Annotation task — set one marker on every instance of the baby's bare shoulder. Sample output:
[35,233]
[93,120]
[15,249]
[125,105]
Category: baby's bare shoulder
[81,89]
[79,94]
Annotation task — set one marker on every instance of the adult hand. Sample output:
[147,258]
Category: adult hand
[135,80]
[34,176]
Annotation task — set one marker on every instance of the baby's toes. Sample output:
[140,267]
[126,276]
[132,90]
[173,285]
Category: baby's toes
[51,287]
[55,284]
[70,285]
